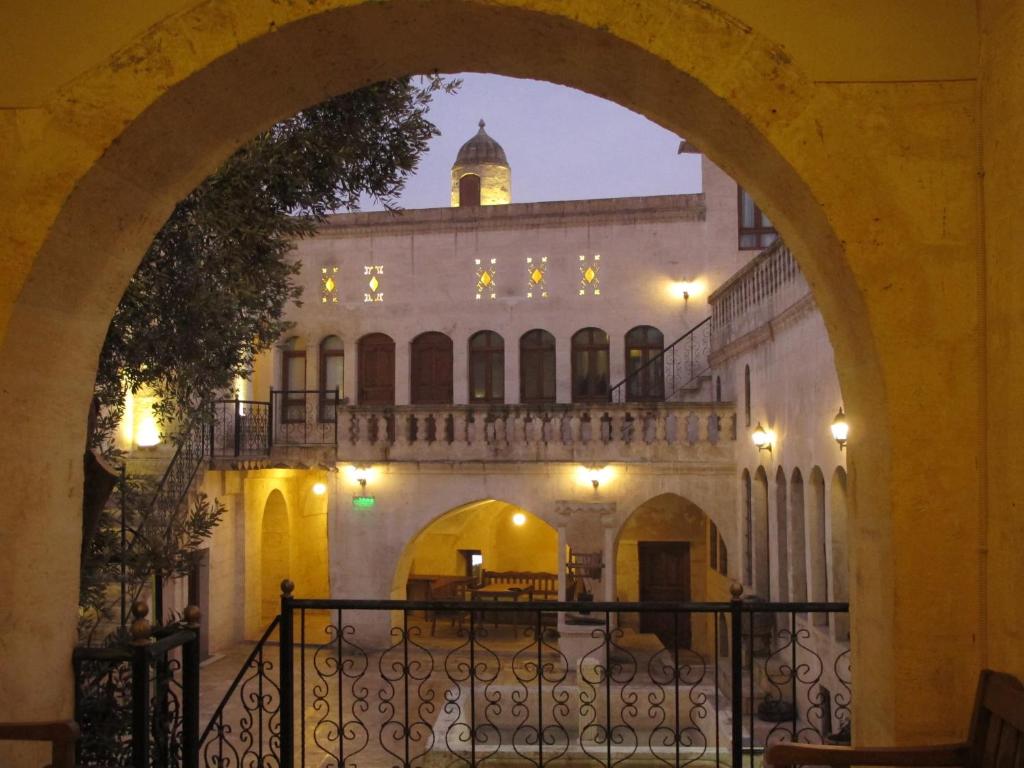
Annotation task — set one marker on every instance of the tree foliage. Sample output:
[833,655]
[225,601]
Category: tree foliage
[212,289]
[211,293]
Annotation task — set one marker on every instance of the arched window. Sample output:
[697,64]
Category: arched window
[486,368]
[590,366]
[755,229]
[376,369]
[746,393]
[718,389]
[782,534]
[469,190]
[431,369]
[645,371]
[332,376]
[293,381]
[537,367]
[748,530]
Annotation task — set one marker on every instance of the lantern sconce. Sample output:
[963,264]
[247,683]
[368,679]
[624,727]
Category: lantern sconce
[319,488]
[361,475]
[840,428]
[762,438]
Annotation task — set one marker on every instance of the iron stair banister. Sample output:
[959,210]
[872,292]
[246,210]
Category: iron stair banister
[684,345]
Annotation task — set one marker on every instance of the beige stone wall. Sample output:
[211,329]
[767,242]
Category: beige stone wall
[859,130]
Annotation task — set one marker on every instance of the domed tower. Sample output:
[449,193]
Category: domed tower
[481,174]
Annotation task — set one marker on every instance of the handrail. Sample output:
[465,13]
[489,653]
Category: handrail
[619,392]
[61,733]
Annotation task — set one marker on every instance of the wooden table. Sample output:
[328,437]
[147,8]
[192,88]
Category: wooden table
[496,592]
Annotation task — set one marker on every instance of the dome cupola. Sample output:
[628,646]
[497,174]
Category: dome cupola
[481,174]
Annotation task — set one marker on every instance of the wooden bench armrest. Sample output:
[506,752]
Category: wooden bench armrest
[779,755]
[54,730]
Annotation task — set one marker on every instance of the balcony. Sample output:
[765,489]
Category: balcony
[581,433]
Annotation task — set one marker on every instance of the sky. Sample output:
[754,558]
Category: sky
[562,144]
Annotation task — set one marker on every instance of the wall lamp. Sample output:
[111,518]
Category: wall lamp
[762,438]
[361,475]
[593,475]
[840,428]
[319,488]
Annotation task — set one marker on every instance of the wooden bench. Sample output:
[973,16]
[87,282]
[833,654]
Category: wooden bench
[62,735]
[544,585]
[995,738]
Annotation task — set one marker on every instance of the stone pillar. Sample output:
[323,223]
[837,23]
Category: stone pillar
[563,369]
[403,371]
[609,524]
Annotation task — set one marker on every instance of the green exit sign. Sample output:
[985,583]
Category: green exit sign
[363,502]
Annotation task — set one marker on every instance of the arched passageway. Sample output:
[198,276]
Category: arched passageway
[663,553]
[120,144]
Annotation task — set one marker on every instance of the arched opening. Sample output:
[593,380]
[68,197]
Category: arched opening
[376,369]
[475,545]
[537,367]
[840,544]
[818,543]
[431,372]
[798,539]
[663,554]
[590,366]
[332,375]
[676,85]
[486,367]
[781,536]
[275,555]
[469,190]
[761,535]
[645,371]
[747,511]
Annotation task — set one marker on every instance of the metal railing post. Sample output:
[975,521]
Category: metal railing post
[190,692]
[287,684]
[140,632]
[238,427]
[270,422]
[736,657]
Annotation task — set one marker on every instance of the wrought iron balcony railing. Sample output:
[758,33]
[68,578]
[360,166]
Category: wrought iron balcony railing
[672,373]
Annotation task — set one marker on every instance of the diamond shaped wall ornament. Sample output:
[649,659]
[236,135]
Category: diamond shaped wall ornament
[376,283]
[486,278]
[328,285]
[590,275]
[536,270]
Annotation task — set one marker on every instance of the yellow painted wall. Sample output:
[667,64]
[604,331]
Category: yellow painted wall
[857,126]
[1001,535]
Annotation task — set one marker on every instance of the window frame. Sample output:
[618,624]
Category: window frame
[326,401]
[545,355]
[591,350]
[487,353]
[763,234]
[649,351]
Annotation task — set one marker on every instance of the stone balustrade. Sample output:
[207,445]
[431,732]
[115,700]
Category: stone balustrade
[771,282]
[576,433]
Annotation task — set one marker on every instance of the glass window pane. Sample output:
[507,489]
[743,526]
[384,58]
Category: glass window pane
[497,377]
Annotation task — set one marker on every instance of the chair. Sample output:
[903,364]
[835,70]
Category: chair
[995,738]
[453,592]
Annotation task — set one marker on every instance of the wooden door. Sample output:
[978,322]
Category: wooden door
[431,369]
[665,576]
[376,370]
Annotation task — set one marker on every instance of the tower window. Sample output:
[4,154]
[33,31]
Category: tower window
[469,190]
[756,229]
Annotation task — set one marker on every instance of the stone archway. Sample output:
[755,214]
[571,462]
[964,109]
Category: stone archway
[121,144]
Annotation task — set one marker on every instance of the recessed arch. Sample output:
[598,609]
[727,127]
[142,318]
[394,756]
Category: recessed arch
[761,535]
[817,541]
[798,536]
[839,543]
[275,555]
[782,558]
[486,525]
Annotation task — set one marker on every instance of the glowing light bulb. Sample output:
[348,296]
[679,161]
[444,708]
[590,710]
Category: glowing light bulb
[319,488]
[519,518]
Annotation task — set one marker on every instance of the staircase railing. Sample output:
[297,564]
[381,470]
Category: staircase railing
[671,371]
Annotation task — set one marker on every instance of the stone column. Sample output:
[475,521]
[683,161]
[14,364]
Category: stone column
[403,371]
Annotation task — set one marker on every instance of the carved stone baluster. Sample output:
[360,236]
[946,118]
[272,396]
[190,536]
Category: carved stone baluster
[728,430]
[501,431]
[702,426]
[586,429]
[617,428]
[575,424]
[660,417]
[474,427]
[460,428]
